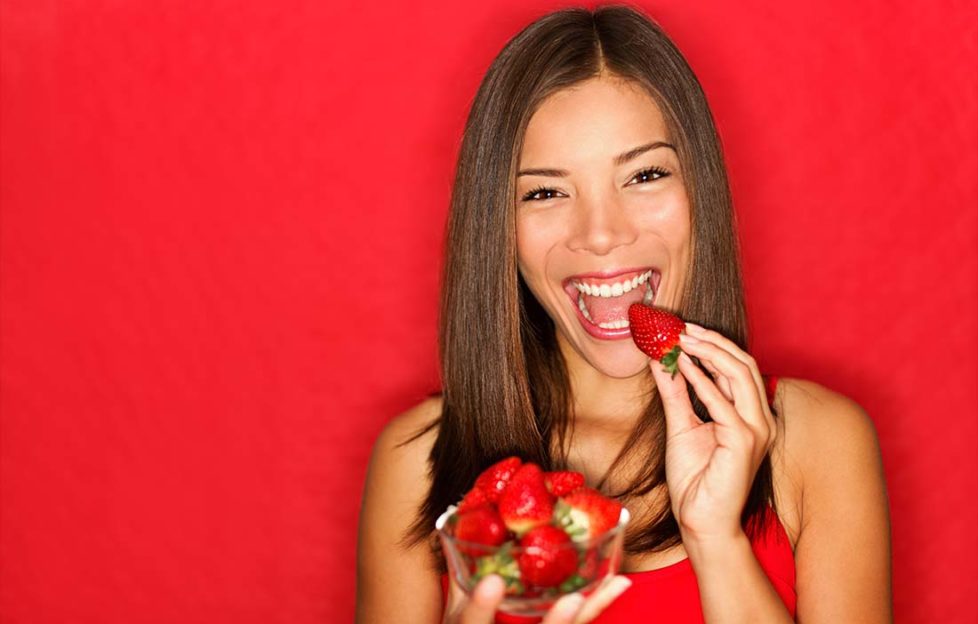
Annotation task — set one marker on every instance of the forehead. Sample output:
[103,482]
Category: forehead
[591,121]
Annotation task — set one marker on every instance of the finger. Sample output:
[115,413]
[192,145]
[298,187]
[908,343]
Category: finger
[746,399]
[564,610]
[722,411]
[751,404]
[733,430]
[719,339]
[600,599]
[680,416]
[481,608]
[730,346]
[721,381]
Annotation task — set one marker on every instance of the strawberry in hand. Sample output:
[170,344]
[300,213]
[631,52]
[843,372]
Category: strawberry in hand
[534,530]
[656,333]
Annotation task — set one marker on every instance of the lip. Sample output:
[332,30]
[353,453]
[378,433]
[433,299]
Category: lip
[607,274]
[600,332]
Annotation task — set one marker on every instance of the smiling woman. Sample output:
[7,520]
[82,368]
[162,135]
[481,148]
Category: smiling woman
[591,178]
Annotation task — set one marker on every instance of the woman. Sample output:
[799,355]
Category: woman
[590,158]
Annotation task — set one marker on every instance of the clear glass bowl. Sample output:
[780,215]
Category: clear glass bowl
[598,557]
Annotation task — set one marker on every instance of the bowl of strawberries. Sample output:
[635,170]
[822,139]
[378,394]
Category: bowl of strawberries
[545,533]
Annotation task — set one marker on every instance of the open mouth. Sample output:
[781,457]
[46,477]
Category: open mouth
[603,300]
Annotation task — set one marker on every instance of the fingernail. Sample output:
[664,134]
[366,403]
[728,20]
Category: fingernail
[693,328]
[492,585]
[571,604]
[687,339]
[619,585]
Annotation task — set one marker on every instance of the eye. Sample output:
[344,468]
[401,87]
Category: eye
[648,173]
[540,189]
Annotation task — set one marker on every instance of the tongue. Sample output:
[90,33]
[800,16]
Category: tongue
[608,309]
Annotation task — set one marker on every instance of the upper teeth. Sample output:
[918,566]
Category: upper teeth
[612,290]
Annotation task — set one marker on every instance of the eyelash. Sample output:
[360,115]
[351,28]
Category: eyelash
[649,171]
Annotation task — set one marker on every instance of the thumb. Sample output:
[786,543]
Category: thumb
[486,596]
[675,400]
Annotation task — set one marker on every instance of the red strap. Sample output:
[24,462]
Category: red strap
[770,385]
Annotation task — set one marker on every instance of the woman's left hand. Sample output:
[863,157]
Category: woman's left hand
[710,466]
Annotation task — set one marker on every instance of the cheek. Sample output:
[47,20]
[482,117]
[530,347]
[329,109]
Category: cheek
[678,224]
[531,246]
[534,241]
[684,228]
[683,234]
[669,218]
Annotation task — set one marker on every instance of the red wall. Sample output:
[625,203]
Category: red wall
[219,257]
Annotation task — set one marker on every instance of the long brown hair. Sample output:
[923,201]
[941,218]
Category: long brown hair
[505,385]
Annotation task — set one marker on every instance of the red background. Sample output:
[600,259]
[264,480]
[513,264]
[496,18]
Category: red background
[221,229]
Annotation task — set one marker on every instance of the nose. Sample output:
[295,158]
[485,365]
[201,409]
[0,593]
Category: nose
[600,226]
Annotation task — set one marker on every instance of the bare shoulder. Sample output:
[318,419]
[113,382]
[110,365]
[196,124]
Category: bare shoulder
[820,420]
[397,581]
[397,475]
[398,442]
[826,431]
[842,556]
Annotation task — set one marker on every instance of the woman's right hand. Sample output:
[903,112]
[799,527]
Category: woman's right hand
[570,609]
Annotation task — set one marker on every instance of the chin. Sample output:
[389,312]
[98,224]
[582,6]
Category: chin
[622,374]
[621,368]
[619,359]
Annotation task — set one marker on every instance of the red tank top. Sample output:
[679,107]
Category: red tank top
[670,594]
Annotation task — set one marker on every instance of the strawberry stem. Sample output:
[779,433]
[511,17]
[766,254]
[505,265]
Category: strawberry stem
[670,361]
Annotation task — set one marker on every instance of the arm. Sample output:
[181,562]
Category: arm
[842,557]
[394,583]
[709,470]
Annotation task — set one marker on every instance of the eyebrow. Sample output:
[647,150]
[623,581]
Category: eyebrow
[620,159]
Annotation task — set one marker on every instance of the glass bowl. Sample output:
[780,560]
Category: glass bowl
[597,558]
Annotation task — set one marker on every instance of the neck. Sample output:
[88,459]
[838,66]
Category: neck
[611,405]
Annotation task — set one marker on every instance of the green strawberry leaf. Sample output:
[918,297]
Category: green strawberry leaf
[670,361]
[572,584]
[501,563]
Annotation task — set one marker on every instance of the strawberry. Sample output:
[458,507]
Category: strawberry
[586,513]
[493,479]
[474,499]
[548,556]
[480,526]
[526,503]
[563,481]
[656,333]
[590,560]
